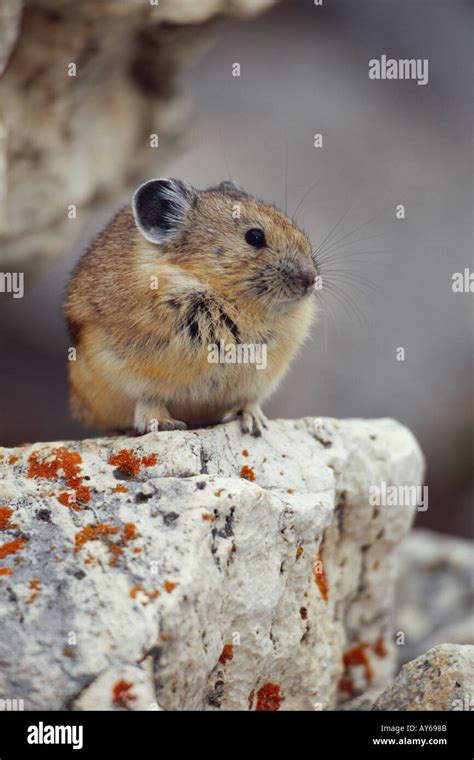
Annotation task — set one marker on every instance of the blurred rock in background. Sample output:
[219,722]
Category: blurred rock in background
[85,85]
[435,599]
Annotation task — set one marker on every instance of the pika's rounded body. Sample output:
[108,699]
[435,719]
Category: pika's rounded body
[187,310]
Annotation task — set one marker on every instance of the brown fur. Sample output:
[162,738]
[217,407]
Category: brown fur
[143,350]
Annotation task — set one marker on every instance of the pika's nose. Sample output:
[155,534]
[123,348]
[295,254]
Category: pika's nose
[307,278]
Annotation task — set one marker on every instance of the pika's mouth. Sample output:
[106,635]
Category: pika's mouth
[285,283]
[300,285]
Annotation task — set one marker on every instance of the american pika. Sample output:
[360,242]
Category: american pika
[180,272]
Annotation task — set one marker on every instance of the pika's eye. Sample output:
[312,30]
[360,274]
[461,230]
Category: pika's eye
[255,237]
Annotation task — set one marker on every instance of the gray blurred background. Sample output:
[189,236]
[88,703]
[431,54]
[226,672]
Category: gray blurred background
[304,70]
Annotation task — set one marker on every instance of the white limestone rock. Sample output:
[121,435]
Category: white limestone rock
[204,569]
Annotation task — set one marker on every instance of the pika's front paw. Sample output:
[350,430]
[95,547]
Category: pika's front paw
[252,419]
[150,417]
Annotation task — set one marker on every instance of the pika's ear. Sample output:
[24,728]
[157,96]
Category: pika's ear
[160,207]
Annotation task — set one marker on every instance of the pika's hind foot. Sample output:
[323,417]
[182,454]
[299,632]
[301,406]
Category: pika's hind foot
[151,416]
[252,419]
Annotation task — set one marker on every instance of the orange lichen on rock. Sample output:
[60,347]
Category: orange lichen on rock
[320,577]
[13,459]
[121,694]
[61,463]
[103,532]
[129,532]
[251,698]
[208,516]
[35,586]
[170,585]
[289,490]
[379,647]
[53,463]
[129,463]
[227,654]
[11,547]
[92,533]
[358,656]
[126,461]
[120,489]
[299,551]
[139,588]
[247,472]
[149,460]
[71,498]
[115,550]
[5,571]
[83,493]
[5,514]
[346,685]
[245,453]
[135,589]
[269,697]
[66,499]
